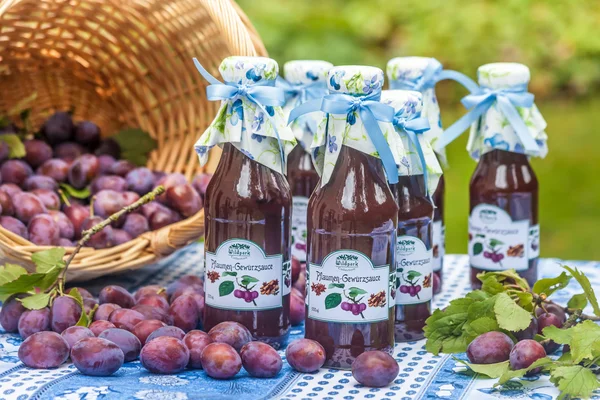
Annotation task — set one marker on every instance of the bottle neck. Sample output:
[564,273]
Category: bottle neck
[356,163]
[503,157]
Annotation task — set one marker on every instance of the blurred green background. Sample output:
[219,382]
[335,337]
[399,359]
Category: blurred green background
[558,39]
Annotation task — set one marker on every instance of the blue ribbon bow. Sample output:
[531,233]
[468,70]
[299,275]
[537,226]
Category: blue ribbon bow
[303,93]
[481,101]
[413,127]
[370,110]
[262,93]
[433,74]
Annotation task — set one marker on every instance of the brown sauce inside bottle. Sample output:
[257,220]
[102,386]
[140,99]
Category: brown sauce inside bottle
[354,211]
[414,220]
[248,201]
[438,216]
[506,180]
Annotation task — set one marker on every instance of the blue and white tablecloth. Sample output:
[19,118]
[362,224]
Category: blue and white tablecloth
[421,376]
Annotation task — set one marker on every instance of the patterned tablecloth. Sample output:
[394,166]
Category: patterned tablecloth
[422,375]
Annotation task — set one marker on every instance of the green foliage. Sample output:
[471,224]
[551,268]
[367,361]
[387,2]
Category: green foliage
[586,286]
[489,370]
[553,38]
[135,144]
[574,381]
[49,265]
[16,148]
[73,192]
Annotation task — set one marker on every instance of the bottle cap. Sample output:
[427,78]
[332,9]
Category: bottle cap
[503,75]
[407,69]
[249,70]
[306,71]
[356,80]
[407,103]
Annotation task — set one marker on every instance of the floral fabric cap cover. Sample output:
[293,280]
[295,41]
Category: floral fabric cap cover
[408,105]
[312,74]
[242,122]
[403,70]
[336,130]
[492,130]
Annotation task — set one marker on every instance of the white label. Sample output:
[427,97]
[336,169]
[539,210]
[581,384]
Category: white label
[239,276]
[496,242]
[414,269]
[534,241]
[438,245]
[348,288]
[299,212]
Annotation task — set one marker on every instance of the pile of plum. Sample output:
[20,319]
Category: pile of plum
[495,347]
[76,155]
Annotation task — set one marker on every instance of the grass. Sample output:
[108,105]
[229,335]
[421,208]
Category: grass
[568,178]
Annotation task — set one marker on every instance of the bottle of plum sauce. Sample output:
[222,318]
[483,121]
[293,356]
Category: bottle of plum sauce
[248,210]
[504,230]
[307,81]
[414,250]
[352,217]
[407,73]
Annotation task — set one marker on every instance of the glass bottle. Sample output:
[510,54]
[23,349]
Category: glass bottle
[419,170]
[504,228]
[306,80]
[408,73]
[352,218]
[248,210]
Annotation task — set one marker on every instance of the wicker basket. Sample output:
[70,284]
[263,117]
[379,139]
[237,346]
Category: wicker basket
[121,63]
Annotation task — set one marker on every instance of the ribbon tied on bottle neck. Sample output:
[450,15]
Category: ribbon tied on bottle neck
[508,100]
[432,74]
[371,112]
[414,126]
[303,92]
[263,94]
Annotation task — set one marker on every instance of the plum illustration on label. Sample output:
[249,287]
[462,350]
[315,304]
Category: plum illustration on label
[413,271]
[496,242]
[299,232]
[240,276]
[347,287]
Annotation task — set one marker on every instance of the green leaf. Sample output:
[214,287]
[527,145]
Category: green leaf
[247,280]
[478,295]
[477,248]
[76,193]
[16,148]
[336,285]
[509,315]
[525,300]
[483,308]
[551,285]
[135,145]
[519,373]
[489,370]
[495,242]
[37,301]
[225,288]
[84,318]
[574,381]
[355,292]
[491,285]
[561,336]
[10,272]
[46,260]
[228,273]
[585,284]
[481,325]
[332,300]
[412,275]
[584,336]
[444,328]
[578,301]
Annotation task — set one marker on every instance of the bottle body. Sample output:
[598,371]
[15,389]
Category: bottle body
[439,230]
[414,258]
[303,179]
[503,221]
[247,236]
[350,265]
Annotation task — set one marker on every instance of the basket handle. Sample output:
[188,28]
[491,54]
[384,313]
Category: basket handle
[166,240]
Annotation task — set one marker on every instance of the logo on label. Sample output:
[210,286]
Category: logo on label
[346,262]
[405,247]
[239,251]
[488,216]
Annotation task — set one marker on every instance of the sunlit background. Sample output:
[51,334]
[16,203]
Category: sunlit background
[558,40]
